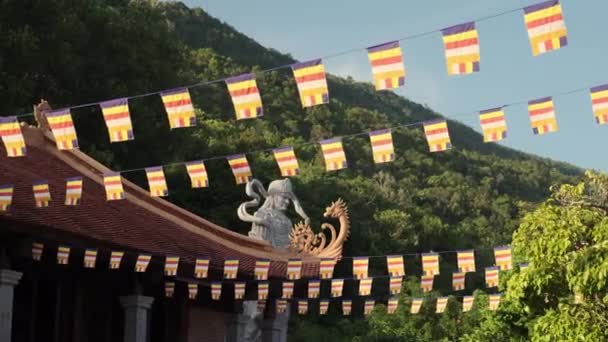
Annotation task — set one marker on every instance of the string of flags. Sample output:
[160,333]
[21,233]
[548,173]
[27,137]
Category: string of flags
[237,288]
[544,22]
[360,271]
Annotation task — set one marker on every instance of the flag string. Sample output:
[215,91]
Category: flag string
[330,56]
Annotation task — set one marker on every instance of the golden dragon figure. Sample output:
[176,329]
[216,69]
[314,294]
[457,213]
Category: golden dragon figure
[304,240]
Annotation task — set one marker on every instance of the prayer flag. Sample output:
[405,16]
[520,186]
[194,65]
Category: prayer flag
[326,268]
[395,266]
[198,174]
[90,257]
[171,265]
[73,191]
[281,305]
[12,137]
[369,306]
[347,305]
[426,283]
[323,306]
[466,261]
[240,168]
[42,196]
[113,185]
[143,260]
[365,286]
[261,305]
[179,108]
[156,181]
[261,269]
[546,27]
[216,290]
[360,265]
[467,303]
[312,86]
[382,146]
[116,259]
[458,280]
[333,153]
[416,304]
[63,129]
[63,254]
[169,289]
[492,276]
[430,264]
[461,49]
[6,196]
[493,124]
[442,302]
[542,116]
[393,303]
[37,249]
[294,269]
[437,135]
[395,285]
[192,290]
[287,161]
[288,289]
[495,301]
[263,287]
[302,306]
[314,287]
[201,267]
[387,65]
[231,268]
[599,102]
[245,96]
[239,289]
[118,120]
[503,257]
[336,287]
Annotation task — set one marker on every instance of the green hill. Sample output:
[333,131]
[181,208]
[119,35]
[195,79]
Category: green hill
[86,51]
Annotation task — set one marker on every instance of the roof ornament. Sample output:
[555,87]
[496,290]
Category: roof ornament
[269,222]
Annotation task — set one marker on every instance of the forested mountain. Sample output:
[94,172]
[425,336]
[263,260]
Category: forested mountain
[75,52]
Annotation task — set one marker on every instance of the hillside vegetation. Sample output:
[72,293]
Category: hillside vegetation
[74,52]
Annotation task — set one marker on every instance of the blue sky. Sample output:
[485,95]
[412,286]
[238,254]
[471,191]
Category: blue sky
[509,73]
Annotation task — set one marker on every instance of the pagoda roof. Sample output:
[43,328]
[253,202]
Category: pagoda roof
[139,224]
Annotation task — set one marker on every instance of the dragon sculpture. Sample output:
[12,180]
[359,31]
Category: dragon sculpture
[305,241]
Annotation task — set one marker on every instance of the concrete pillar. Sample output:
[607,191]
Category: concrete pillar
[8,280]
[275,329]
[137,310]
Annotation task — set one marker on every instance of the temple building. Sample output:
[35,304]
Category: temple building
[70,301]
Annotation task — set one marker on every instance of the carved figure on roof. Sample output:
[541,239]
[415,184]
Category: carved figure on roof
[269,222]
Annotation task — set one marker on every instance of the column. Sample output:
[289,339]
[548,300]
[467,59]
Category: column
[275,329]
[137,310]
[8,280]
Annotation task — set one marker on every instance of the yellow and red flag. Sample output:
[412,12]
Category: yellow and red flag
[169,289]
[416,304]
[240,168]
[261,269]
[467,303]
[198,174]
[546,28]
[336,287]
[231,268]
[239,290]
[466,261]
[73,191]
[171,265]
[37,249]
[287,161]
[502,255]
[347,305]
[458,281]
[360,266]
[113,185]
[365,286]
[395,265]
[393,303]
[369,306]
[492,276]
[143,260]
[302,306]
[326,268]
[333,153]
[387,65]
[395,285]
[426,283]
[599,102]
[382,146]
[201,268]
[323,306]
[63,255]
[216,290]
[42,195]
[118,119]
[442,302]
[314,287]
[294,269]
[495,301]
[63,129]
[437,135]
[312,85]
[6,196]
[430,264]
[542,116]
[461,49]
[287,289]
[245,96]
[192,290]
[493,124]
[116,259]
[12,137]
[157,182]
[90,258]
[178,105]
[263,287]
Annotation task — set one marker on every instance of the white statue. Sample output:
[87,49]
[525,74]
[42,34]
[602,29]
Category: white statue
[270,223]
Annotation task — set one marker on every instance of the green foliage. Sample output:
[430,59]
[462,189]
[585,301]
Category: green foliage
[73,52]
